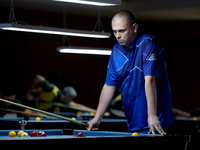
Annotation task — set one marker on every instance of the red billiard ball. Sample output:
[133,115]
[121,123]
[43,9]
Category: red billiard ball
[80,134]
[34,133]
[42,134]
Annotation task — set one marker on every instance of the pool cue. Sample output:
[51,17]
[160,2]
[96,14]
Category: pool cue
[21,112]
[45,112]
[72,107]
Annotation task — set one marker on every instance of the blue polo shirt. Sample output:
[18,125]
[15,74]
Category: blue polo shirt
[127,69]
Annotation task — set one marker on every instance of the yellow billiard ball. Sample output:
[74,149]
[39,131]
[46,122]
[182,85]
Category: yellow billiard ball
[20,133]
[135,134]
[12,134]
[92,113]
[194,118]
[107,114]
[37,119]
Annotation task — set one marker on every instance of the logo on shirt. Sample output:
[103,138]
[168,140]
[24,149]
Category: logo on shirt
[152,57]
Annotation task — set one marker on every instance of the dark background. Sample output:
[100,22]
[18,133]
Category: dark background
[23,55]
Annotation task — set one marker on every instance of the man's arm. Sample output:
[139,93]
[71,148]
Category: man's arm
[150,90]
[80,106]
[178,112]
[36,81]
[27,111]
[106,96]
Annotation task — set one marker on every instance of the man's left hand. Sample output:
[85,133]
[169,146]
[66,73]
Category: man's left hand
[154,123]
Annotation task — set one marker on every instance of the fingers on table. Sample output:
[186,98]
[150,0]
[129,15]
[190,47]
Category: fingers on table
[158,128]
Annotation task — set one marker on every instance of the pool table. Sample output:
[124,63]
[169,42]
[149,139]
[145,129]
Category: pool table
[53,123]
[67,138]
[187,125]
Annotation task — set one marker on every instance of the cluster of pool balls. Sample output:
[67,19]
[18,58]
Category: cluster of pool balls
[25,134]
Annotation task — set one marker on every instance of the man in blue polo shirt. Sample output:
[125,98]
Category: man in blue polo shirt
[137,67]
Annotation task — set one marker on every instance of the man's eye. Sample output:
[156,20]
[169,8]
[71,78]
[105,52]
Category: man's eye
[121,31]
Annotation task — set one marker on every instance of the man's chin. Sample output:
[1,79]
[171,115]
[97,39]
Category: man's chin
[122,44]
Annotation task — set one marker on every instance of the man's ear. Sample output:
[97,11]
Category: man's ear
[135,27]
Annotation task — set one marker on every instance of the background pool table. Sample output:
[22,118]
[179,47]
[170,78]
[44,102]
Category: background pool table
[53,123]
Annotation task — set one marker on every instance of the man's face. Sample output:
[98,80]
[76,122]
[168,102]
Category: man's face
[124,32]
[68,98]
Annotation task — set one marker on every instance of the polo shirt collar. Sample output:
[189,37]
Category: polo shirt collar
[134,42]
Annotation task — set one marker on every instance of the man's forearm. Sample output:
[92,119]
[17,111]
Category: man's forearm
[153,120]
[150,90]
[81,107]
[106,96]
[36,81]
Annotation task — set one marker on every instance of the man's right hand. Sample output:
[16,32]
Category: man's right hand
[29,97]
[104,102]
[93,125]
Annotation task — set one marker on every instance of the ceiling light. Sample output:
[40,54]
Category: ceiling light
[56,31]
[94,2]
[84,50]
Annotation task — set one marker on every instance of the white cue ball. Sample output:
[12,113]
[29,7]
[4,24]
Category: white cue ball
[25,134]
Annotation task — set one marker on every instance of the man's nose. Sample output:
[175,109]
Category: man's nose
[118,35]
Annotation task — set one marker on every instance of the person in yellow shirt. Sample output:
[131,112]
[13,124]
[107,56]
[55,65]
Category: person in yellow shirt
[44,93]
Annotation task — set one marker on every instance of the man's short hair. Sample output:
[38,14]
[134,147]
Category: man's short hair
[69,90]
[127,14]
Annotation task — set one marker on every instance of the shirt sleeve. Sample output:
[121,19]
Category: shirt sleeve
[111,76]
[153,57]
[47,86]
